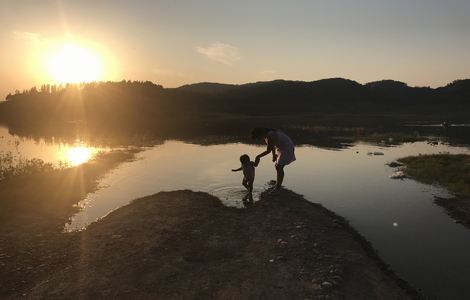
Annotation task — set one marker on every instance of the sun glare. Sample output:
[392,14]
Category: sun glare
[72,64]
[78,155]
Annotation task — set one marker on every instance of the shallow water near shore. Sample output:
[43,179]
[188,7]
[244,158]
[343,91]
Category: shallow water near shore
[420,242]
[416,237]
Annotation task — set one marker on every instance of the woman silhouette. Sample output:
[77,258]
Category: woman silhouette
[280,145]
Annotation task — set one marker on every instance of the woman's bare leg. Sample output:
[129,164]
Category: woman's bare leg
[280,176]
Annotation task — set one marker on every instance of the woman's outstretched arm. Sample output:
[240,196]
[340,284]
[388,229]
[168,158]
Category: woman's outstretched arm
[269,149]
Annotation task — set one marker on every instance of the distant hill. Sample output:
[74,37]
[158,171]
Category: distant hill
[458,89]
[127,104]
[396,90]
[344,85]
[207,87]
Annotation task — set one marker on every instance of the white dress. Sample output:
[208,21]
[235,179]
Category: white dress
[285,148]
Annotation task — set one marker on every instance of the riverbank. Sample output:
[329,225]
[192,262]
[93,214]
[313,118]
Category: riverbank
[187,245]
[33,211]
[449,171]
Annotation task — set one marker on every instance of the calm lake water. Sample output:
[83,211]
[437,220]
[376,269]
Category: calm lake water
[416,237]
[72,154]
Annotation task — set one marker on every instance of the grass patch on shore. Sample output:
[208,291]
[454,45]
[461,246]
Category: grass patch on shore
[9,167]
[42,191]
[450,171]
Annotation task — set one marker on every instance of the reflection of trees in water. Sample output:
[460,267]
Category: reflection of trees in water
[327,113]
[229,131]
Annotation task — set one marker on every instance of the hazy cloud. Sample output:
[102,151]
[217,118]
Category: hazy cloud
[25,35]
[220,52]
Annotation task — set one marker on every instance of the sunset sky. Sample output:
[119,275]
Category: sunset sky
[422,42]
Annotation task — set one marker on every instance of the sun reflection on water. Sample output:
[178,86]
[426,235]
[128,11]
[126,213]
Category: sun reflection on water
[78,155]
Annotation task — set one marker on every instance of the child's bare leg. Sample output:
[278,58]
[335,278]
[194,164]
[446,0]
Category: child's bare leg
[250,185]
[247,200]
[245,184]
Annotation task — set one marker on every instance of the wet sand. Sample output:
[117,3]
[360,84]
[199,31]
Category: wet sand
[187,245]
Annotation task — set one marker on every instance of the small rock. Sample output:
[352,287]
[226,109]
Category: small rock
[338,278]
[326,284]
[271,260]
[394,164]
[317,287]
[398,175]
[338,271]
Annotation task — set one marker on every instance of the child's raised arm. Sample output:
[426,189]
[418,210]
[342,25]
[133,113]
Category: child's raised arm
[235,170]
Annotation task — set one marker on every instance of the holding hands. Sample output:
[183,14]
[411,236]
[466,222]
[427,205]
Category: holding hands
[257,160]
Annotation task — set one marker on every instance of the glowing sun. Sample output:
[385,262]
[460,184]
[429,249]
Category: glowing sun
[72,64]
